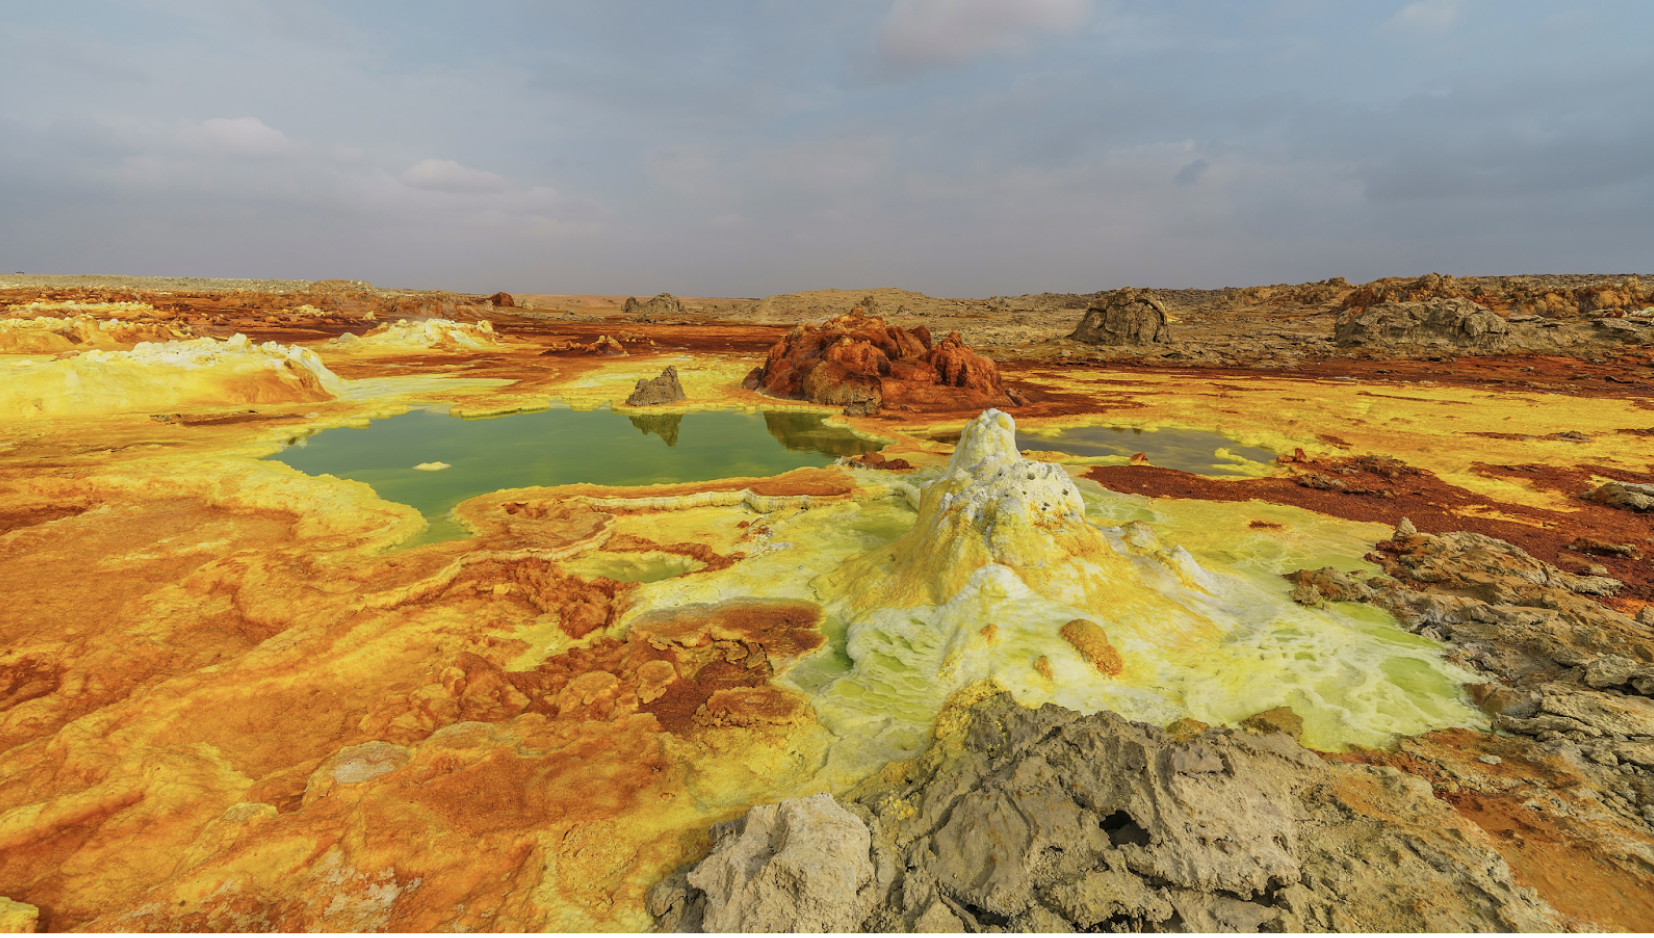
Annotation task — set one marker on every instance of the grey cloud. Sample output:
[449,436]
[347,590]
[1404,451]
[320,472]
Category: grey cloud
[743,148]
[1429,16]
[237,137]
[946,32]
[1190,173]
[449,176]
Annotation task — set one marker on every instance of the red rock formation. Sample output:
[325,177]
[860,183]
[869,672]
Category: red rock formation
[864,364]
[877,460]
[501,299]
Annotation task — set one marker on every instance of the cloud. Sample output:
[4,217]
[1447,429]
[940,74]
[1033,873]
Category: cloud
[920,33]
[1433,16]
[1190,174]
[768,151]
[240,137]
[826,166]
[449,176]
[689,170]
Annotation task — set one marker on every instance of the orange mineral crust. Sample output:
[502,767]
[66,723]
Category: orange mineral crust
[229,729]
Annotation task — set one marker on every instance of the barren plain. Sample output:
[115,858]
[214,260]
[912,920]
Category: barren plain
[1318,607]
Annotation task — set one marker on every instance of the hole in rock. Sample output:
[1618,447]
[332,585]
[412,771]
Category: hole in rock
[1123,829]
[984,917]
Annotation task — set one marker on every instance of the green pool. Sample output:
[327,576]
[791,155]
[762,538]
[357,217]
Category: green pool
[1194,451]
[562,446]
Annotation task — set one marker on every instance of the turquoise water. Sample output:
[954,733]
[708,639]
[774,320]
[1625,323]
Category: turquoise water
[559,447]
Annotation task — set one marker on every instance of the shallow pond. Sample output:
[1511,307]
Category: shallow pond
[1197,451]
[562,446]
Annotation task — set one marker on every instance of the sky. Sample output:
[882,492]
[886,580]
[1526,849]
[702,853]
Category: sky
[957,147]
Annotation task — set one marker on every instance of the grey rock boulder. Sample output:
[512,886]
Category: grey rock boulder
[1049,820]
[1632,496]
[1124,317]
[799,866]
[1454,323]
[662,306]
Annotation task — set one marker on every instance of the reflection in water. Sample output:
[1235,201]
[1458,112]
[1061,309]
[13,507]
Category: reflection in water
[558,447]
[806,433]
[1187,450]
[664,426]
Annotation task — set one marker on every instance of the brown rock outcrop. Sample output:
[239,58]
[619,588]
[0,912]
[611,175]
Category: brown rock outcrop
[1549,297]
[1452,322]
[663,306]
[1632,496]
[863,364]
[1124,317]
[502,299]
[1462,325]
[651,392]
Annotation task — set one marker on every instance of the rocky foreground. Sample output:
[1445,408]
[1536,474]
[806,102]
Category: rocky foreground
[1047,820]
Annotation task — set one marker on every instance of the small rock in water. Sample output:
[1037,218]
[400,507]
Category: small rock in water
[654,391]
[432,466]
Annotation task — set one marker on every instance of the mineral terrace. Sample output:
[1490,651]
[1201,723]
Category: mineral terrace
[1389,672]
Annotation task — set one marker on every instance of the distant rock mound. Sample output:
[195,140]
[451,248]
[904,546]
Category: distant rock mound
[1124,317]
[340,286]
[420,334]
[1457,323]
[1546,296]
[651,392]
[663,306]
[1399,290]
[862,364]
[502,299]
[1597,299]
[1045,820]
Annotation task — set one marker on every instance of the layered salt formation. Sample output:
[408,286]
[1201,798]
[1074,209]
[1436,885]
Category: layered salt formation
[421,334]
[46,334]
[75,307]
[154,376]
[1002,577]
